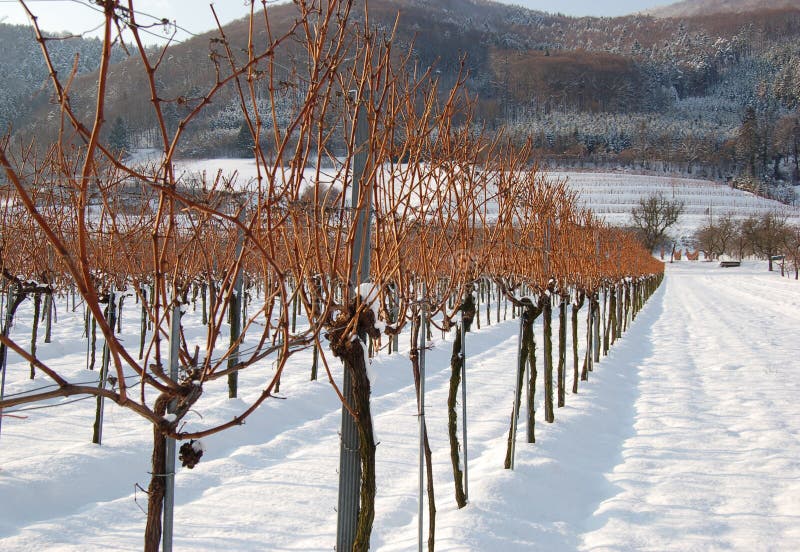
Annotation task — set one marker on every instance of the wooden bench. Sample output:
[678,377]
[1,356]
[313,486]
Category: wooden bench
[729,264]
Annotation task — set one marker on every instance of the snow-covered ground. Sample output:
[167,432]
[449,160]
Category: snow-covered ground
[711,459]
[611,196]
[614,195]
[685,438]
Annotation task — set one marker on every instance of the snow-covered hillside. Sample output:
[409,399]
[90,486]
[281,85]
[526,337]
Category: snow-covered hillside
[613,195]
[685,437]
[689,8]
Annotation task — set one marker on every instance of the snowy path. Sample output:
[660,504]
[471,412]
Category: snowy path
[686,437]
[713,462]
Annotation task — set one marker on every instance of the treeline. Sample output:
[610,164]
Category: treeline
[760,155]
[25,76]
[768,236]
[522,66]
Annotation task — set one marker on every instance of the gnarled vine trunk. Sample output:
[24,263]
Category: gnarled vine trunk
[576,307]
[157,487]
[353,356]
[456,363]
[547,313]
[527,357]
[468,311]
[562,350]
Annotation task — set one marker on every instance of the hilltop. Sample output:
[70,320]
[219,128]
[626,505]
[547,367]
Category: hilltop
[691,8]
[650,93]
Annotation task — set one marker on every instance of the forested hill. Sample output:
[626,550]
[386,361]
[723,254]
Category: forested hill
[635,88]
[688,8]
[25,74]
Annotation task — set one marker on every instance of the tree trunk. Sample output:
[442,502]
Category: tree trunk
[355,363]
[612,311]
[595,304]
[603,311]
[515,407]
[562,351]
[478,308]
[607,307]
[149,319]
[527,357]
[452,419]
[155,491]
[143,324]
[575,373]
[195,290]
[212,298]
[203,290]
[547,311]
[488,290]
[576,307]
[93,341]
[626,307]
[534,373]
[587,359]
[37,309]
[295,301]
[119,315]
[497,312]
[314,362]
[352,354]
[49,306]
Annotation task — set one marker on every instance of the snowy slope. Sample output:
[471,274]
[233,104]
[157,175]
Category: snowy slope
[612,196]
[684,438]
[690,8]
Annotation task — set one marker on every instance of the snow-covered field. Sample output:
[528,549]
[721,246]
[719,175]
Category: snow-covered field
[685,438]
[614,195]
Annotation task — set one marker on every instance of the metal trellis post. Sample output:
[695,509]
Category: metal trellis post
[422,324]
[349,461]
[4,349]
[169,472]
[236,316]
[464,402]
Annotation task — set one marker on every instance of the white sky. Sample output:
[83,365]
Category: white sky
[81,16]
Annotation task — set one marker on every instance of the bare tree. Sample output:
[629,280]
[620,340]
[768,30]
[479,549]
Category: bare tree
[653,215]
[766,235]
[739,245]
[792,248]
[715,238]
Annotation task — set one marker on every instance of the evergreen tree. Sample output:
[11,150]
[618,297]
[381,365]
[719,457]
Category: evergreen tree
[747,143]
[118,139]
[244,141]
